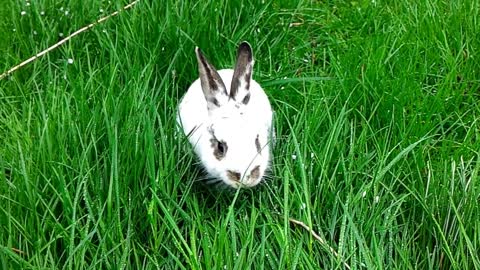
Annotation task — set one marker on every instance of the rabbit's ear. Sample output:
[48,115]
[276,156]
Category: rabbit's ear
[243,74]
[212,85]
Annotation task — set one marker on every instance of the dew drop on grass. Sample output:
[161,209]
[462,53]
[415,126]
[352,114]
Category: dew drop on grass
[42,13]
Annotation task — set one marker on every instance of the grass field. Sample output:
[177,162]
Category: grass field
[377,120]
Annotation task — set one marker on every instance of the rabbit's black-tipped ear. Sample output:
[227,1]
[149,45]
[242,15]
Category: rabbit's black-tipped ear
[212,85]
[243,73]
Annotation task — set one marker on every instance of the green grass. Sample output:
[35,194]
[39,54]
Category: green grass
[378,136]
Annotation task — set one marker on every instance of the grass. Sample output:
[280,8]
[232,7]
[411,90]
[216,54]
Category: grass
[377,120]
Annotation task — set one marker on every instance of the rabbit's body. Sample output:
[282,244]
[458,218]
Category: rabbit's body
[229,130]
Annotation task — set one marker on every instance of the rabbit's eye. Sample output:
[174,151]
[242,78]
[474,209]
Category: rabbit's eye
[219,148]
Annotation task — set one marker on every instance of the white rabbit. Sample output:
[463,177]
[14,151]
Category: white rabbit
[228,119]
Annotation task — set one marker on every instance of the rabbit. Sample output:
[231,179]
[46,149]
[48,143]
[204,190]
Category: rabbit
[227,118]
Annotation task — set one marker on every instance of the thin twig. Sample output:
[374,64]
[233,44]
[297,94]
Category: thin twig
[18,251]
[83,29]
[319,238]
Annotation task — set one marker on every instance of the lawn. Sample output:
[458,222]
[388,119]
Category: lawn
[377,118]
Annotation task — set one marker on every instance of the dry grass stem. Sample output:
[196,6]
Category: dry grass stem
[58,44]
[319,238]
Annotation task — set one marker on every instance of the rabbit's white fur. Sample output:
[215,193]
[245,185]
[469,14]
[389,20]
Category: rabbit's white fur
[236,124]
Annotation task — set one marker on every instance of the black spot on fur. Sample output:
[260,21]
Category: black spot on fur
[255,173]
[234,88]
[215,102]
[246,99]
[257,144]
[248,77]
[234,176]
[211,81]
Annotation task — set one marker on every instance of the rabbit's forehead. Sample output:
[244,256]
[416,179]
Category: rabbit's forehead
[238,129]
[230,109]
[231,124]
